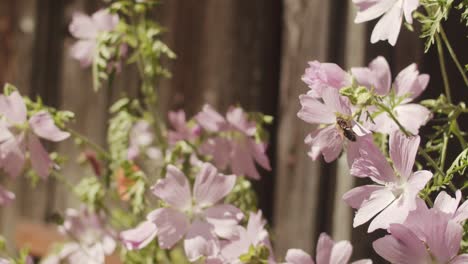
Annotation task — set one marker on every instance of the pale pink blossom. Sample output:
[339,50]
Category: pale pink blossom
[328,252]
[90,239]
[427,236]
[319,76]
[86,29]
[408,85]
[197,217]
[6,197]
[331,138]
[141,142]
[394,195]
[20,135]
[235,146]
[254,235]
[392,12]
[182,129]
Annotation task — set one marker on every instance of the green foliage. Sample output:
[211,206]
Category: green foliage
[91,192]
[358,95]
[243,196]
[261,120]
[437,11]
[463,7]
[256,255]
[107,57]
[118,131]
[459,165]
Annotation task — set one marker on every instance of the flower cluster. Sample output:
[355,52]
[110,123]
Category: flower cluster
[181,192]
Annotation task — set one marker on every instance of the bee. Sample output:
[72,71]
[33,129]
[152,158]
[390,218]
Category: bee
[346,128]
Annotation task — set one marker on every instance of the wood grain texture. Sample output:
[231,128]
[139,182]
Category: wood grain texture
[228,53]
[305,37]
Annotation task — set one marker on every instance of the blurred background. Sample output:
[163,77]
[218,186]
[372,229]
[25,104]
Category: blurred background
[251,52]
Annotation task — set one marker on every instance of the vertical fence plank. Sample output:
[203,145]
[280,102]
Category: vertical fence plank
[305,37]
[228,53]
[18,21]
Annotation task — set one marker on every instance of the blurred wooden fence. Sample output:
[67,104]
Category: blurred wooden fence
[251,52]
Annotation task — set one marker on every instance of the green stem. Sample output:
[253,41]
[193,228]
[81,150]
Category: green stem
[409,134]
[453,55]
[149,93]
[443,155]
[443,68]
[457,132]
[100,150]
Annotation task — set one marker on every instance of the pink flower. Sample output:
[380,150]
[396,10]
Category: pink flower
[6,197]
[408,85]
[86,29]
[448,205]
[195,216]
[328,252]
[235,144]
[18,135]
[334,111]
[392,12]
[394,195]
[254,235]
[182,130]
[427,236]
[140,140]
[92,239]
[319,76]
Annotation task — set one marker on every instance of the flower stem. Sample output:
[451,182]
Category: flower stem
[443,68]
[100,150]
[453,55]
[409,134]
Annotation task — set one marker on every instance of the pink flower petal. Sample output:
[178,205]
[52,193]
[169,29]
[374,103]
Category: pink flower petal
[403,247]
[403,152]
[43,125]
[395,213]
[40,160]
[200,241]
[377,76]
[104,21]
[409,6]
[174,189]
[341,253]
[355,197]
[412,116]
[326,141]
[259,153]
[445,203]
[315,112]
[210,186]
[6,197]
[324,248]
[372,11]
[378,201]
[297,256]
[210,120]
[82,27]
[335,102]
[13,158]
[219,149]
[242,161]
[410,83]
[225,220]
[83,51]
[389,26]
[171,226]
[140,236]
[372,163]
[13,108]
[239,119]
